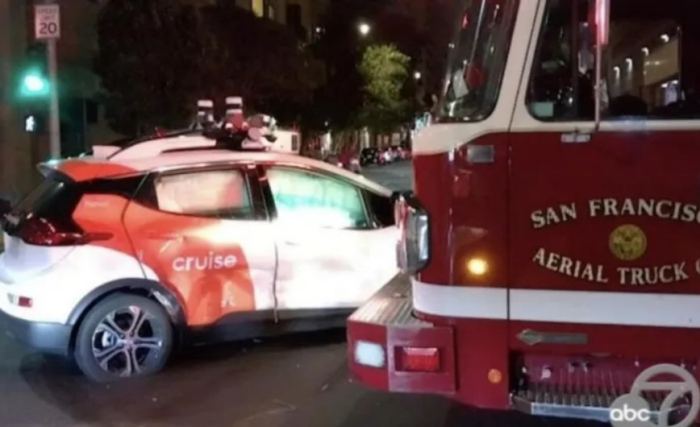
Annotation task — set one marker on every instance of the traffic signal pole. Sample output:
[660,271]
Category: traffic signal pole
[54,118]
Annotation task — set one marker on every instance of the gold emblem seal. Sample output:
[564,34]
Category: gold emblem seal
[628,242]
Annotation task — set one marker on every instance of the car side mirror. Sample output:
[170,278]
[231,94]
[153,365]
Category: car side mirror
[5,207]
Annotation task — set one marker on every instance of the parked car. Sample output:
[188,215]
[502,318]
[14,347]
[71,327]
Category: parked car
[113,261]
[388,155]
[397,152]
[350,163]
[369,156]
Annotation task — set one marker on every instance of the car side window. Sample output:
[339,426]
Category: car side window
[221,194]
[308,198]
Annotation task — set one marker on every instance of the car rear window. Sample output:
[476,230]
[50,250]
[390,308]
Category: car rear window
[43,198]
[56,198]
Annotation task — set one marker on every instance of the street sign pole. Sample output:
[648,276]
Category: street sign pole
[54,113]
[47,27]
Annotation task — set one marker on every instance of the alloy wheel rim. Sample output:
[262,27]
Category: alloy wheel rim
[127,341]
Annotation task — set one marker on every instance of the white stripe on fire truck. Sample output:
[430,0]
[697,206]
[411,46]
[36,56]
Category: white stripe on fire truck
[601,308]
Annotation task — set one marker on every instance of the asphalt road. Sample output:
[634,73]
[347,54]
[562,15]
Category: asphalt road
[397,176]
[295,381]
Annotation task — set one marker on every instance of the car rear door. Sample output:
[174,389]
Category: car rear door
[331,254]
[205,234]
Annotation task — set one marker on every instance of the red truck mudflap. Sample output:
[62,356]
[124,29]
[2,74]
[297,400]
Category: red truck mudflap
[390,349]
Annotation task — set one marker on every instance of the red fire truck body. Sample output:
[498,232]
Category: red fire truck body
[551,246]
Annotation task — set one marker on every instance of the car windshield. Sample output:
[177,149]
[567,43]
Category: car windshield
[477,58]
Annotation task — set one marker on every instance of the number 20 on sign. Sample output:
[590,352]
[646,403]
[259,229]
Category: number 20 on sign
[47,21]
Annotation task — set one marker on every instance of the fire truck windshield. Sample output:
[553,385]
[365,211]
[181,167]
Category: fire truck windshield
[477,58]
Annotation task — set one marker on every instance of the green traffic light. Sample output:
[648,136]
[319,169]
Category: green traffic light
[34,84]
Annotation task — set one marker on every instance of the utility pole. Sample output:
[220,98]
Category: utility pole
[47,27]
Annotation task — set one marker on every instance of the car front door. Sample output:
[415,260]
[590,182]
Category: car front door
[205,234]
[331,256]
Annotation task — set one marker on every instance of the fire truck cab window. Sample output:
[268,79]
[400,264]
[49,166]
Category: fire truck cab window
[477,58]
[309,199]
[650,67]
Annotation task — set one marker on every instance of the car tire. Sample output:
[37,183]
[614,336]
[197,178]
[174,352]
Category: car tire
[109,348]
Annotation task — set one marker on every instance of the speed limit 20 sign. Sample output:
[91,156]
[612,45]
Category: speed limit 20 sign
[47,21]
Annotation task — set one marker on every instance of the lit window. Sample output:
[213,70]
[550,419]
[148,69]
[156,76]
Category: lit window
[258,7]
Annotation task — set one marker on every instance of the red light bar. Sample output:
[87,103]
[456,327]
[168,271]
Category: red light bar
[414,359]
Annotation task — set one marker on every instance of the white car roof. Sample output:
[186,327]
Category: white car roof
[186,151]
[206,157]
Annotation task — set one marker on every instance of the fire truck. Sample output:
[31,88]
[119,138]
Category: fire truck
[550,249]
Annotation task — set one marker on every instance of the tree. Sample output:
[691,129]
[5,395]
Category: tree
[149,60]
[257,59]
[339,46]
[385,71]
[157,57]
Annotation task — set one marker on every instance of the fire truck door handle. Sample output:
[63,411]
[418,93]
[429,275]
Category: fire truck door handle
[576,138]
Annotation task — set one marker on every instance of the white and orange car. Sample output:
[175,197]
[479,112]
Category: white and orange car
[117,258]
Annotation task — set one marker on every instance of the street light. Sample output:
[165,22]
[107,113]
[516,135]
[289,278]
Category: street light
[364,28]
[417,75]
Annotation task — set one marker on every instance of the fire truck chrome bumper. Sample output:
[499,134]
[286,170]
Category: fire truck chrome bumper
[383,331]
[579,406]
[391,306]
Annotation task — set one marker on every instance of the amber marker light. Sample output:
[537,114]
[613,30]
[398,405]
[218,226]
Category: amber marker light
[477,266]
[495,376]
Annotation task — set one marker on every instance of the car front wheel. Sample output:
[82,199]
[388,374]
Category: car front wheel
[123,336]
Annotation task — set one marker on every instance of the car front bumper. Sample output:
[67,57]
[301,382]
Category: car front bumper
[50,338]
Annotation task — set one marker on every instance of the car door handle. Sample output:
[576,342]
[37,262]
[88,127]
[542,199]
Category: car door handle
[290,243]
